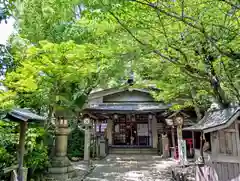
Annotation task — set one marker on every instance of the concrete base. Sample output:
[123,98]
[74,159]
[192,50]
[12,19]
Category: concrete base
[61,169]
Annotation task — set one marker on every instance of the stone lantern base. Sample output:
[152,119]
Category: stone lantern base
[61,168]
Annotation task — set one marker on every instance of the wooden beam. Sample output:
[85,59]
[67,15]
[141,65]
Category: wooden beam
[91,115]
[107,117]
[229,130]
[11,168]
[224,158]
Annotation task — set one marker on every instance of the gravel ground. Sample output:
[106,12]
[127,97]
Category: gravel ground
[132,168]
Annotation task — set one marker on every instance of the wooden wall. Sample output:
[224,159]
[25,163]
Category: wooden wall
[225,171]
[225,153]
[128,96]
[225,142]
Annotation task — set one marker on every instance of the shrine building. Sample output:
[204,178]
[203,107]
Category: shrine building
[131,118]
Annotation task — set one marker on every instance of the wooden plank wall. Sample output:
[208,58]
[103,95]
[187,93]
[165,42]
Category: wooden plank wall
[227,171]
[225,142]
[225,155]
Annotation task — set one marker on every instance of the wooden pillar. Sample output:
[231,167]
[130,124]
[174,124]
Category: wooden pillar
[201,147]
[109,131]
[97,139]
[154,132]
[193,143]
[23,129]
[149,132]
[237,124]
[94,138]
[180,138]
[173,140]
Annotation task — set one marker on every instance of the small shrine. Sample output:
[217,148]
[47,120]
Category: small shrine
[131,120]
[24,117]
[220,145]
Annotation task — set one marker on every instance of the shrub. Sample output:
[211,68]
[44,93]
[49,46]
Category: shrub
[76,143]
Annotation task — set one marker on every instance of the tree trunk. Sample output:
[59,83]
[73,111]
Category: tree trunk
[196,108]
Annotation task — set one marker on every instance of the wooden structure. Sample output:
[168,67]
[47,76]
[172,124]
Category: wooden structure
[22,116]
[130,117]
[220,129]
[177,135]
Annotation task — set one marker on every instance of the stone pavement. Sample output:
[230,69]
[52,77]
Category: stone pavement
[132,168]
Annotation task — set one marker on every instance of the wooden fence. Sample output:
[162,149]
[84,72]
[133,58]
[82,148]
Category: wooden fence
[218,171]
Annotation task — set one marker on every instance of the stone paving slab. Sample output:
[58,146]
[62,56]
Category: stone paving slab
[132,168]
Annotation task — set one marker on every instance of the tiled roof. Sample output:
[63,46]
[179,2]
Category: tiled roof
[127,107]
[214,118]
[18,114]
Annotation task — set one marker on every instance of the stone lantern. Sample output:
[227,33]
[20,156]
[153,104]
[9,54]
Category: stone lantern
[61,167]
[62,133]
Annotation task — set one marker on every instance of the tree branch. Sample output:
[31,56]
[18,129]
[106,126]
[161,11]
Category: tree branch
[138,40]
[188,69]
[236,92]
[234,55]
[236,6]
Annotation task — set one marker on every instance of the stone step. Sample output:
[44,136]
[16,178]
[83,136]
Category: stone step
[150,151]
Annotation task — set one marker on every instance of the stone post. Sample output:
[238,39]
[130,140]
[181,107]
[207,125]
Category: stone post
[61,168]
[102,147]
[87,144]
[165,143]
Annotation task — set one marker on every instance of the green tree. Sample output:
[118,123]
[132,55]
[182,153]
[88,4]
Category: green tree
[198,39]
[7,9]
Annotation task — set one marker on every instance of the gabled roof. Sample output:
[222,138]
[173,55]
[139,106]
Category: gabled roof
[106,92]
[25,115]
[179,112]
[216,120]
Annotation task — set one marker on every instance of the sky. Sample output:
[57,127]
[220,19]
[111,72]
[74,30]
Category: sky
[6,30]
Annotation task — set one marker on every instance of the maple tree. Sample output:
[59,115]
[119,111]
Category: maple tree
[196,42]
